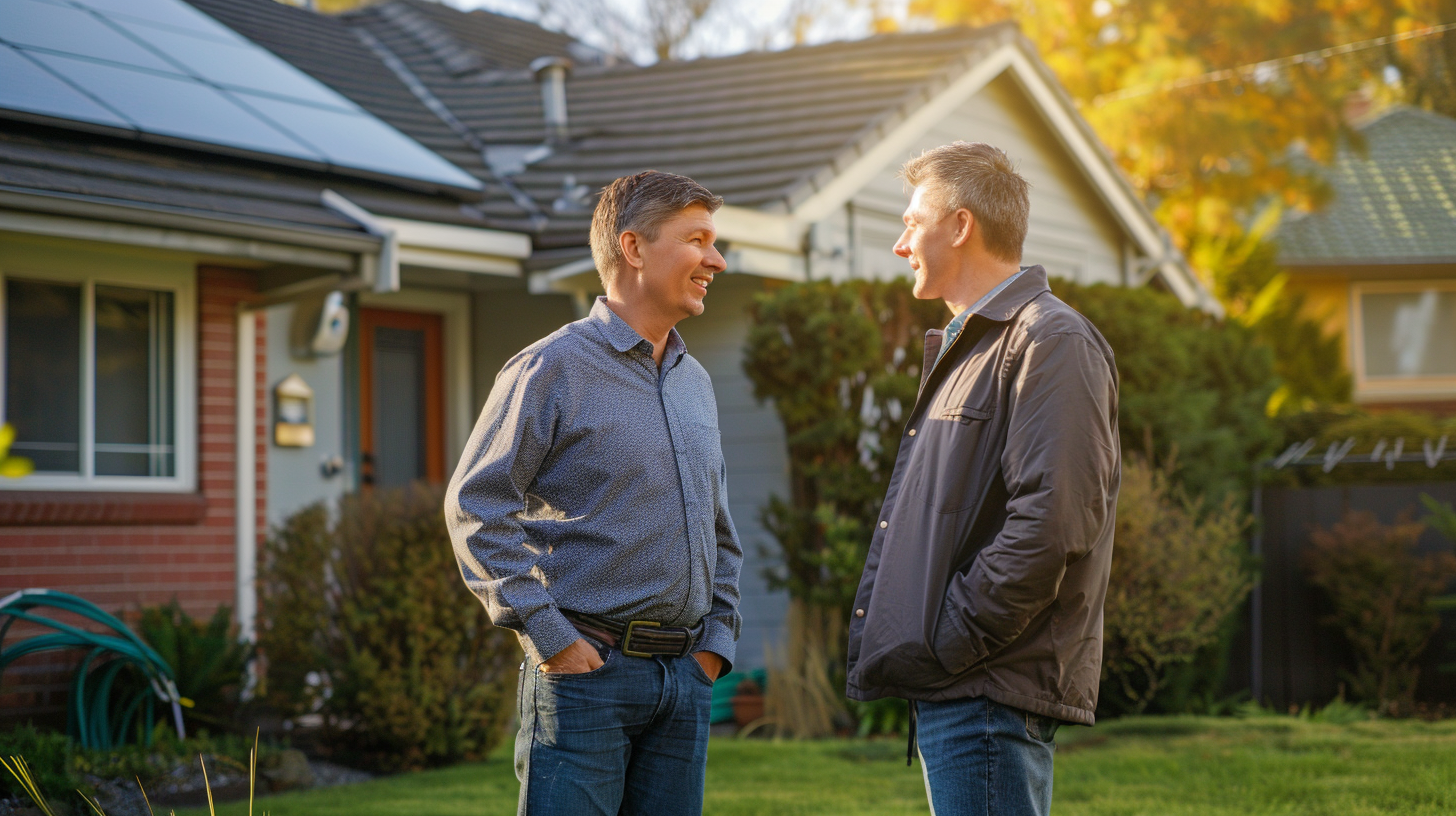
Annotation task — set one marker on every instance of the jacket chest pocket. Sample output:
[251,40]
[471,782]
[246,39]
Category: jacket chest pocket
[954,454]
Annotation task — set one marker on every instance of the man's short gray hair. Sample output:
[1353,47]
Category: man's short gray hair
[980,178]
[640,204]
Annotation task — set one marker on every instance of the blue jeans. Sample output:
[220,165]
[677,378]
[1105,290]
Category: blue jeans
[630,737]
[984,758]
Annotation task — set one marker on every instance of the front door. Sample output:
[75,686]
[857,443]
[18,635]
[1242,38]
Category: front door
[402,399]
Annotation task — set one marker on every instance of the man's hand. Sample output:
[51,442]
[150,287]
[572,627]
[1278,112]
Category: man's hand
[578,658]
[712,664]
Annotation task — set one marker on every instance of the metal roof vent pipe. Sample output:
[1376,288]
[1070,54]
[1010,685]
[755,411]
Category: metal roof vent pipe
[551,74]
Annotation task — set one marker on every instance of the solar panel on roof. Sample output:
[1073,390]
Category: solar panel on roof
[163,67]
[28,87]
[70,30]
[239,65]
[176,106]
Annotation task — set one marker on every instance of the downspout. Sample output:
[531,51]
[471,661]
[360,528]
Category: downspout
[245,487]
[383,271]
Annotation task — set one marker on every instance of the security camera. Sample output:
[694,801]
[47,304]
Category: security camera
[320,326]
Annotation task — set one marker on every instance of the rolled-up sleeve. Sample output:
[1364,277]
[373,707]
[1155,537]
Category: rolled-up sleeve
[487,496]
[1061,465]
[723,622]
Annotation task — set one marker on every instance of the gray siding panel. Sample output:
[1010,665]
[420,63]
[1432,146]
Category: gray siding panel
[295,479]
[753,449]
[1071,233]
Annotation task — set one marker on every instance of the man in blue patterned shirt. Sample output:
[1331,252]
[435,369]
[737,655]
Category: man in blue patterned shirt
[589,513]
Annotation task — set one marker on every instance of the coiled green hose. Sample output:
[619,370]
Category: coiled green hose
[89,719]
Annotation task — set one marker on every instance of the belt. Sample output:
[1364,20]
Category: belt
[638,638]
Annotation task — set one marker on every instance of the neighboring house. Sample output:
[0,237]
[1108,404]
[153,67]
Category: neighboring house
[804,144]
[162,181]
[1378,265]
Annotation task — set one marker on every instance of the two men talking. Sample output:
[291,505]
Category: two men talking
[589,513]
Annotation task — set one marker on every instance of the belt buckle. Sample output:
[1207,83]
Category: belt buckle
[626,645]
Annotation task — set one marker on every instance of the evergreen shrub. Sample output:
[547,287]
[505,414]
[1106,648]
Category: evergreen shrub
[365,621]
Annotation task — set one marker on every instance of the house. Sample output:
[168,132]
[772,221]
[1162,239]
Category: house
[803,144]
[1378,265]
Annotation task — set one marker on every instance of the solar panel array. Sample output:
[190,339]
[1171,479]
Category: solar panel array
[162,67]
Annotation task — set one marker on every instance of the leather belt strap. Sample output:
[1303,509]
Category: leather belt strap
[636,638]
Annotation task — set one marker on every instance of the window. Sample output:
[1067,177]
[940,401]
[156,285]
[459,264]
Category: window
[93,382]
[1405,340]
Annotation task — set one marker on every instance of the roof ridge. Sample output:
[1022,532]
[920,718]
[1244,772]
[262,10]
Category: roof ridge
[453,55]
[1408,110]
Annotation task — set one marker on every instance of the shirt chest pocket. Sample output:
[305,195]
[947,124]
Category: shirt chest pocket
[956,454]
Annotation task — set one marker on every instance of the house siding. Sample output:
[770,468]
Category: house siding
[1071,232]
[754,450]
[121,567]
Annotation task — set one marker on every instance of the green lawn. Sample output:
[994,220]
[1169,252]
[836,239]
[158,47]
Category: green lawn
[1158,766]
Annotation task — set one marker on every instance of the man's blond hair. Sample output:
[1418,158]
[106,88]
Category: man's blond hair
[980,178]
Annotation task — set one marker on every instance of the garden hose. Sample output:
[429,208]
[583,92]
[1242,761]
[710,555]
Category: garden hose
[89,720]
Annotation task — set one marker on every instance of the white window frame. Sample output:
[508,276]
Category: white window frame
[1370,389]
[183,286]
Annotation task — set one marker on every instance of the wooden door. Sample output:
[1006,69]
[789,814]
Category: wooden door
[402,397]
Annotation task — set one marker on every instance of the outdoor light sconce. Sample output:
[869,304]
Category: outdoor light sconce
[293,413]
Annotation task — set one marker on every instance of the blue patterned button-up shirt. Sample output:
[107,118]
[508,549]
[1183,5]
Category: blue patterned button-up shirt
[594,481]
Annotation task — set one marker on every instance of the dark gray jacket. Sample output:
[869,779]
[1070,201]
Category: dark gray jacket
[988,567]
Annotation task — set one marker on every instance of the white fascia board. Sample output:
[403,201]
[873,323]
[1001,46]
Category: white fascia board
[459,261]
[749,260]
[452,238]
[58,226]
[741,225]
[892,147]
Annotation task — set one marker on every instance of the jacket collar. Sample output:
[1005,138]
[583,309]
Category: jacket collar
[1004,306]
[622,337]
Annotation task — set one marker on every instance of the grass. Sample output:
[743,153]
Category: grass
[1165,766]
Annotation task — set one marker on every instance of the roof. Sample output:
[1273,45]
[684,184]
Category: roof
[465,42]
[1394,202]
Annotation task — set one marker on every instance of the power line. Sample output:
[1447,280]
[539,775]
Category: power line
[1267,67]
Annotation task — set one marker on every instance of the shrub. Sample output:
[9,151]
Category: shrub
[50,755]
[1192,388]
[1177,576]
[364,620]
[1380,589]
[207,659]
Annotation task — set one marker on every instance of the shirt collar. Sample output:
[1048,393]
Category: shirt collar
[959,320]
[623,337]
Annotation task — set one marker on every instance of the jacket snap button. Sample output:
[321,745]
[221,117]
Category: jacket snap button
[884,524]
[912,431]
[859,613]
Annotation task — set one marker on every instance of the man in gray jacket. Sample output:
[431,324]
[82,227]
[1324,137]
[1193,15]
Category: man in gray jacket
[982,595]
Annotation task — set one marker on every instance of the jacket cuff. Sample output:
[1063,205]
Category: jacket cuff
[954,648]
[547,633]
[718,638]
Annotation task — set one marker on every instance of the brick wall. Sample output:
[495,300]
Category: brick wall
[122,551]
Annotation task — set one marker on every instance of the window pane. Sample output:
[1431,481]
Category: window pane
[1409,334]
[43,373]
[134,383]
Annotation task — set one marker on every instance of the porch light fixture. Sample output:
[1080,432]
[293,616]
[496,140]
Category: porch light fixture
[293,413]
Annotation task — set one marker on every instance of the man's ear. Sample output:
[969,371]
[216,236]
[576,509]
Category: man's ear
[965,225]
[631,244]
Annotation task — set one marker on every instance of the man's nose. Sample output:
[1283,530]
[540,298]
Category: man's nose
[902,247]
[713,260]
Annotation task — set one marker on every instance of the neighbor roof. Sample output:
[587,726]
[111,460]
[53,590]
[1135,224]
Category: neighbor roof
[1394,202]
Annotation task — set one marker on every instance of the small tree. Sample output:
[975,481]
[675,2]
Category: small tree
[366,621]
[1177,574]
[1380,588]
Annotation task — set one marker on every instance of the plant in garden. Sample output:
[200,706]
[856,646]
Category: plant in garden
[207,658]
[1191,386]
[1380,588]
[841,363]
[406,668]
[1178,572]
